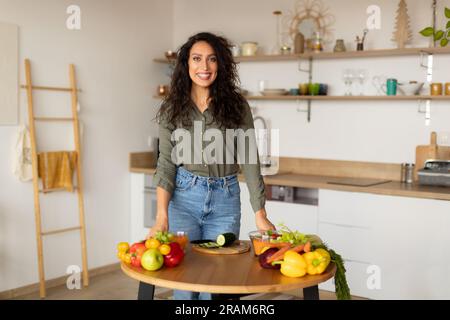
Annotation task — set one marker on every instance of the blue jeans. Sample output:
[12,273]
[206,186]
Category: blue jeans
[204,207]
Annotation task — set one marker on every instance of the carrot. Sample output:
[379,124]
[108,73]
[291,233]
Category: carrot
[279,254]
[307,247]
[298,248]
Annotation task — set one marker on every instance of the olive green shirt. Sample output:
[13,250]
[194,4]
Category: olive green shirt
[212,167]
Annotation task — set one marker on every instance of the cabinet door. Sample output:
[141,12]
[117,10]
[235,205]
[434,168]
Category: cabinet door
[300,217]
[141,206]
[412,247]
[357,278]
[402,240]
[347,208]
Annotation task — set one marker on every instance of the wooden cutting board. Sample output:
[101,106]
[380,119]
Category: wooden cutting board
[423,153]
[236,248]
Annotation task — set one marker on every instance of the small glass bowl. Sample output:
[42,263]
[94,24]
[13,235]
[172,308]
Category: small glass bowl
[262,240]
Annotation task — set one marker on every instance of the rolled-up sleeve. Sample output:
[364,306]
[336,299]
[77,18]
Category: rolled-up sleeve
[252,172]
[164,176]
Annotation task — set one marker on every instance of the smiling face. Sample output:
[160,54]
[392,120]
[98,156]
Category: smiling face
[202,64]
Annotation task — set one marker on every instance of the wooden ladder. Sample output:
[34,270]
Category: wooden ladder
[34,154]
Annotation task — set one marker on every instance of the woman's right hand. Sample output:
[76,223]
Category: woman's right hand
[160,225]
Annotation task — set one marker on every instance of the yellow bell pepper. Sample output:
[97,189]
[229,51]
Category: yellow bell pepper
[293,265]
[317,261]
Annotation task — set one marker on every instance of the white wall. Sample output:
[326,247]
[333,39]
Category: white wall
[113,55]
[361,131]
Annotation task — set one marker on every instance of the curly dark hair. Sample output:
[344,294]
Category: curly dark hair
[226,104]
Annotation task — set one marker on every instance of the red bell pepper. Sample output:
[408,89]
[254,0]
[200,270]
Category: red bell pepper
[175,255]
[137,250]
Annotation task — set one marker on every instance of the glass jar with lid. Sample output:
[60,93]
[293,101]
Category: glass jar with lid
[317,42]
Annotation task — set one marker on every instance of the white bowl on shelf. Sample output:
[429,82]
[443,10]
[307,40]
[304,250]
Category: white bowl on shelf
[410,89]
[274,92]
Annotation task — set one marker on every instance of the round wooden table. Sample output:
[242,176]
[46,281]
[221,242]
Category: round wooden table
[224,274]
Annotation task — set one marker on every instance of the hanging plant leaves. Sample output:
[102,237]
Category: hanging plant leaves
[438,35]
[448,25]
[444,42]
[447,12]
[427,32]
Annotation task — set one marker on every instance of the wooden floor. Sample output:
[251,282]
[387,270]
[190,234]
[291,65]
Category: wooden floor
[116,286]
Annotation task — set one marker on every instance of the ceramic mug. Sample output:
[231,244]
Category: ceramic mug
[235,50]
[303,88]
[294,92]
[391,87]
[323,89]
[436,89]
[249,48]
[447,89]
[314,89]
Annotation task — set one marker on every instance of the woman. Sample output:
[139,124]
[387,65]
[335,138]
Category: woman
[200,194]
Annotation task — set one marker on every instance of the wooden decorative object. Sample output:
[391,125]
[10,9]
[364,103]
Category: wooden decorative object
[316,13]
[402,33]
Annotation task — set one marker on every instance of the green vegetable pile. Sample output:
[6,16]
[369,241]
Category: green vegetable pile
[164,236]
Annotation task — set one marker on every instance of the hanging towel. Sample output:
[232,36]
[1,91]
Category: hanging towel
[22,166]
[56,169]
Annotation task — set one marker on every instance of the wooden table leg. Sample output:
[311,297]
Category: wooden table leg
[146,291]
[311,293]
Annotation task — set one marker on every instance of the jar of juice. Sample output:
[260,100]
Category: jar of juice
[182,238]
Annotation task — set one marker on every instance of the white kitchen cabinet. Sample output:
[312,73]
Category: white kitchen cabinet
[404,239]
[296,216]
[357,278]
[412,244]
[143,205]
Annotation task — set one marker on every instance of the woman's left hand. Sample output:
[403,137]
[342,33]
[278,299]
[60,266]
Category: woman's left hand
[262,222]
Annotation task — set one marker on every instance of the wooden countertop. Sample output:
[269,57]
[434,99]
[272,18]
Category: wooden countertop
[332,170]
[393,188]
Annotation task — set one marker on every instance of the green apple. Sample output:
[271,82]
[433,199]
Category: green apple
[152,260]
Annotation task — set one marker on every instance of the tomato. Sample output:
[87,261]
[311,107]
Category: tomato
[123,246]
[164,249]
[136,246]
[136,260]
[127,258]
[119,255]
[152,243]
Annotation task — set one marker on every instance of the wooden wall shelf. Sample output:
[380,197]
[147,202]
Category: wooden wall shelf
[337,55]
[348,98]
[342,98]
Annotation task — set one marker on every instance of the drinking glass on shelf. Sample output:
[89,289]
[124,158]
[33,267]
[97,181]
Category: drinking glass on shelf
[262,85]
[348,76]
[361,75]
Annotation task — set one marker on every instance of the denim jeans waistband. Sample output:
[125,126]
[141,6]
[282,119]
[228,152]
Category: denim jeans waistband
[205,180]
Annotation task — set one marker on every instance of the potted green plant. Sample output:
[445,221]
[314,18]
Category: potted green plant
[439,35]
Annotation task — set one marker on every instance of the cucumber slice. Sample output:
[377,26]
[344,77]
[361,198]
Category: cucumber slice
[209,245]
[225,239]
